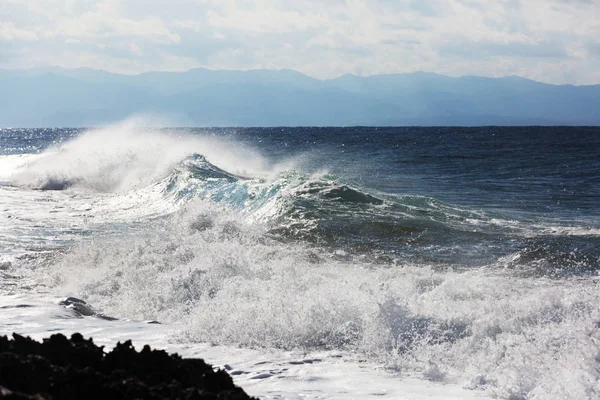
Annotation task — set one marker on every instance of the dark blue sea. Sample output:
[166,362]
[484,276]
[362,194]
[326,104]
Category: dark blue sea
[467,256]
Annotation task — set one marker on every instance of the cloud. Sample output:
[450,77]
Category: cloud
[593,48]
[549,40]
[105,23]
[475,50]
[8,32]
[427,8]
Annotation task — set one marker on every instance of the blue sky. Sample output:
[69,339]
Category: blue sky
[555,41]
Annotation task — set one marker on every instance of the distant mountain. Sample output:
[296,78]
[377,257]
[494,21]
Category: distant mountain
[201,97]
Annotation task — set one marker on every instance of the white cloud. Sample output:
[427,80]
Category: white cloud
[105,23]
[549,40]
[8,32]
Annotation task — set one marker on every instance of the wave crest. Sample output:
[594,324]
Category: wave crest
[125,157]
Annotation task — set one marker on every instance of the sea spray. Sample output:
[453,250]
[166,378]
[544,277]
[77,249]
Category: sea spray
[467,272]
[215,278]
[125,156]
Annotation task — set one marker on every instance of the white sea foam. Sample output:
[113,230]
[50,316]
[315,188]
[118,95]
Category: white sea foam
[125,157]
[571,230]
[218,279]
[268,374]
[106,176]
[211,270]
[10,165]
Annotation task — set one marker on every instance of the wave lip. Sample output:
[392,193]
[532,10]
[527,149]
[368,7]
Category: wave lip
[200,168]
[337,192]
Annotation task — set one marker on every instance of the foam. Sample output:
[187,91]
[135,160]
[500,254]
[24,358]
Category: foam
[265,374]
[123,157]
[219,279]
[199,253]
[10,165]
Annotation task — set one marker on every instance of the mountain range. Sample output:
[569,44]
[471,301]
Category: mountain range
[83,97]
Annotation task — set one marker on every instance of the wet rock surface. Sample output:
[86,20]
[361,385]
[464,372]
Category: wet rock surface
[75,368]
[81,309]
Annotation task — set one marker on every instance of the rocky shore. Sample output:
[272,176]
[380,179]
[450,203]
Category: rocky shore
[75,368]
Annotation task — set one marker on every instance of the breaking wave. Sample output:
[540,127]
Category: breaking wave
[241,251]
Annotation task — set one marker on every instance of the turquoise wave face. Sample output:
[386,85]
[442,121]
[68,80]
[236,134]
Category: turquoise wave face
[325,210]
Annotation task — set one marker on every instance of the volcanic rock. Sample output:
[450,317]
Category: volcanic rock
[61,368]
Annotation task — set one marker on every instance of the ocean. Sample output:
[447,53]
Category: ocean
[318,263]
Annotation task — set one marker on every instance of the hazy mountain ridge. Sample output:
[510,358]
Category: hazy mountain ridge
[202,97]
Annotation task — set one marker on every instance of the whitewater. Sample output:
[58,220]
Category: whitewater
[316,263]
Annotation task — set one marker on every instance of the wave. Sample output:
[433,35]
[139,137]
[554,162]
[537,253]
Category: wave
[229,248]
[319,208]
[214,276]
[125,157]
[148,173]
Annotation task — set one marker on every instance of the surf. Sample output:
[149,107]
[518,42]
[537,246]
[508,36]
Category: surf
[226,239]
[125,156]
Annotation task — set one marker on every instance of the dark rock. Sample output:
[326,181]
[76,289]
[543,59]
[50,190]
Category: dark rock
[61,368]
[77,305]
[82,309]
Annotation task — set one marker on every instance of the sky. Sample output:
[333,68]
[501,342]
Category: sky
[554,41]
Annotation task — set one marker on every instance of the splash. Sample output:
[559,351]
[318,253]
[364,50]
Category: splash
[260,256]
[126,156]
[216,277]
